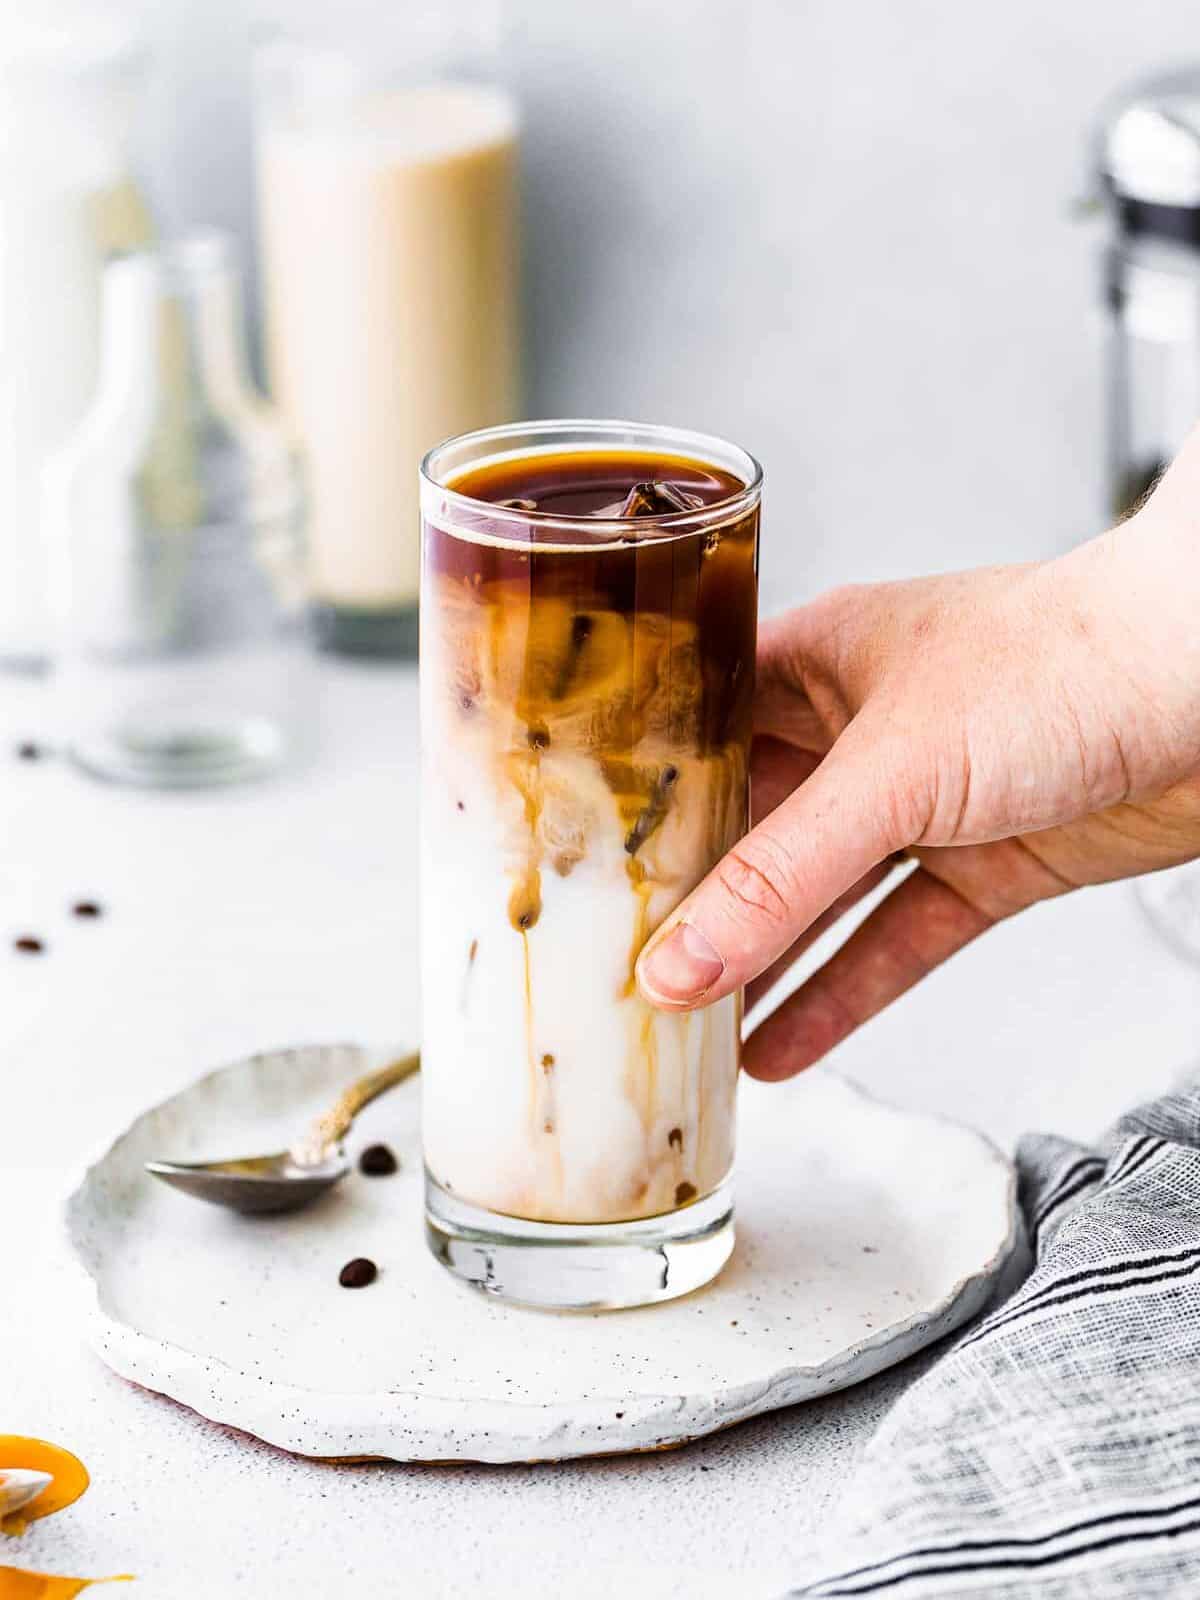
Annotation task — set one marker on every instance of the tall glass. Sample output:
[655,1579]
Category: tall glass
[586,686]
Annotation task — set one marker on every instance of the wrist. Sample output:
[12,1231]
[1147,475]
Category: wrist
[1136,598]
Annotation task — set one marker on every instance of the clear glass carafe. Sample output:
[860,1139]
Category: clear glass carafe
[176,521]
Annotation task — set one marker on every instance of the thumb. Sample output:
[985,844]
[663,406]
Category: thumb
[855,810]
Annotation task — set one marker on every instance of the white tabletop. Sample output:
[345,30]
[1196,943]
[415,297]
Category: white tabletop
[284,912]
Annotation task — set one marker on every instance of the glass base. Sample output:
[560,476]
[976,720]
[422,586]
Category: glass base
[348,631]
[560,1266]
[168,754]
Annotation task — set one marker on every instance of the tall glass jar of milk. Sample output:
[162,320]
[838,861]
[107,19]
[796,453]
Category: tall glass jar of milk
[388,234]
[68,94]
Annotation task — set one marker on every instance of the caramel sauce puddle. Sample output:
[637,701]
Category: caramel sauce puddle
[69,1479]
[17,1584]
[69,1475]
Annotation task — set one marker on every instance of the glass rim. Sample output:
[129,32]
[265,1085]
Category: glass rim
[707,449]
[426,42]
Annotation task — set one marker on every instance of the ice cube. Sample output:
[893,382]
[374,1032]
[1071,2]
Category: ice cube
[657,499]
[649,499]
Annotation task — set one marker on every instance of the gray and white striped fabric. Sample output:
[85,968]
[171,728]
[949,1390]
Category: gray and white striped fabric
[1055,1448]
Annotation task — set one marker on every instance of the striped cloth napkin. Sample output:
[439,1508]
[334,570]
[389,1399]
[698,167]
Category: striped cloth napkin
[1054,1450]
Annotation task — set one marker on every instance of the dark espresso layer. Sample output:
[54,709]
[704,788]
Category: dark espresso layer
[656,633]
[593,483]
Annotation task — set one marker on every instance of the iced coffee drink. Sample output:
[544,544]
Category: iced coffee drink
[587,661]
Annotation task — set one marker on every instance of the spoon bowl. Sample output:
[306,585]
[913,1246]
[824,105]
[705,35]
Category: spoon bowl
[255,1185]
[289,1179]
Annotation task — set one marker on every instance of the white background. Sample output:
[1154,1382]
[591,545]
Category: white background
[839,231]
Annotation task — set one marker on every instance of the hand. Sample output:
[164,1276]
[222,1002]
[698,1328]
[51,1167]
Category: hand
[1020,731]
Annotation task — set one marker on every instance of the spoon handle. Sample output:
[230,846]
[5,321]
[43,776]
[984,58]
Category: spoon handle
[333,1124]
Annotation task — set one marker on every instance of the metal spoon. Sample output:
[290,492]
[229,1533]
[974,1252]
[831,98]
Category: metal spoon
[290,1178]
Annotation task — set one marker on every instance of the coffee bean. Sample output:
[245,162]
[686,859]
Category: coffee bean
[87,908]
[28,945]
[357,1274]
[377,1161]
[684,1192]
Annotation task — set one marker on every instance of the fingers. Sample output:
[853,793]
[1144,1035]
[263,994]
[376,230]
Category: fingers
[781,704]
[854,811]
[767,980]
[776,769]
[918,926]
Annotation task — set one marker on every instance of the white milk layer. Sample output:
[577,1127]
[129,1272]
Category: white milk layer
[551,1090]
[389,257]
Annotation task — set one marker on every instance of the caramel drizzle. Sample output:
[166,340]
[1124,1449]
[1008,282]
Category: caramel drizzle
[534,1083]
[567,664]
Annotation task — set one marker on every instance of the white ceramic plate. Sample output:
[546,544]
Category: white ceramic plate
[864,1233]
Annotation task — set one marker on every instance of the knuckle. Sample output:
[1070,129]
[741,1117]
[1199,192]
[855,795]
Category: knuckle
[904,780]
[843,597]
[844,611]
[845,639]
[903,814]
[754,881]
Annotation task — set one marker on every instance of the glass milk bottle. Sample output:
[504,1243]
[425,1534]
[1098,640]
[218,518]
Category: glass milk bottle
[175,522]
[387,216]
[67,98]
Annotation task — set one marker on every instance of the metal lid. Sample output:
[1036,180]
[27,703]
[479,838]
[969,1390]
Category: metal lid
[1149,141]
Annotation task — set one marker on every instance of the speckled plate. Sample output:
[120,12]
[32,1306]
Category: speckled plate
[864,1233]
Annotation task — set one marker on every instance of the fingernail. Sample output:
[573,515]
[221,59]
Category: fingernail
[682,967]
